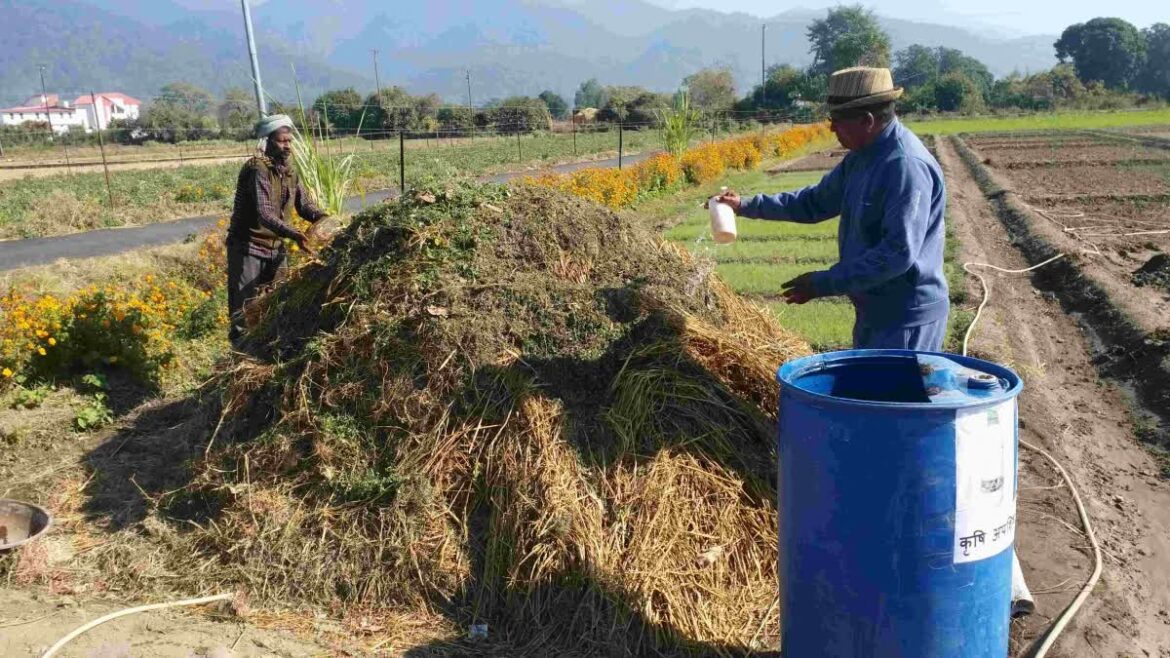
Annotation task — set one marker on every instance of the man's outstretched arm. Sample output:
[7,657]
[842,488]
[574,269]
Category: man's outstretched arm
[815,203]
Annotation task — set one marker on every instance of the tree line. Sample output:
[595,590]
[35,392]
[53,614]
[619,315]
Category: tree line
[1105,63]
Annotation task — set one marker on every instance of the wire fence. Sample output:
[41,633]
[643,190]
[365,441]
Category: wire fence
[45,148]
[188,172]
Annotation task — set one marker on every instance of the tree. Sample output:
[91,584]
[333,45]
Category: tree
[1155,77]
[590,94]
[237,113]
[915,66]
[919,66]
[785,85]
[456,120]
[180,112]
[955,61]
[187,97]
[847,36]
[711,89]
[955,92]
[341,110]
[390,110]
[557,107]
[1106,49]
[520,114]
[633,105]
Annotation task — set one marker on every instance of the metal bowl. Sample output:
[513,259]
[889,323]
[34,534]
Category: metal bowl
[21,523]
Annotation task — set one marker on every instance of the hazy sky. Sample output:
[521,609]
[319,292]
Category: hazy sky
[1037,16]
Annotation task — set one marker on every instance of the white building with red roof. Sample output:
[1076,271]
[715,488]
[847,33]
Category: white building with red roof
[111,106]
[63,116]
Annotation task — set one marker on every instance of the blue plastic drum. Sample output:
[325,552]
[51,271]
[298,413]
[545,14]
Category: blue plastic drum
[897,505]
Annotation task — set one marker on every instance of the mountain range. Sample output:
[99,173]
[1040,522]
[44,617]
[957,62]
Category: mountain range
[507,46]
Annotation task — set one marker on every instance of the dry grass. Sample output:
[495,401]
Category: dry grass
[65,276]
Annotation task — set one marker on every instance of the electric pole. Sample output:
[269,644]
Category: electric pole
[261,107]
[45,99]
[763,66]
[469,106]
[377,81]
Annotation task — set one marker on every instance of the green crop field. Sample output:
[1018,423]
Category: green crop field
[769,253]
[66,203]
[1044,121]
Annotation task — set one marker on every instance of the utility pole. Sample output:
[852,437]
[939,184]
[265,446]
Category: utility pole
[377,81]
[45,100]
[763,67]
[469,105]
[97,116]
[49,116]
[261,106]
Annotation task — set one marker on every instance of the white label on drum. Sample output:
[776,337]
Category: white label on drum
[985,481]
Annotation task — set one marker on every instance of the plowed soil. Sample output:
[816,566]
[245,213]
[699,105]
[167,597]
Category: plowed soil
[1111,238]
[1079,180]
[1082,420]
[816,162]
[1057,154]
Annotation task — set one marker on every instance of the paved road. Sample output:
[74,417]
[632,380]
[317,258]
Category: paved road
[106,242]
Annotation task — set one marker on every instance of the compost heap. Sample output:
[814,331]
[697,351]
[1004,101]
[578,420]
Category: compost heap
[514,407]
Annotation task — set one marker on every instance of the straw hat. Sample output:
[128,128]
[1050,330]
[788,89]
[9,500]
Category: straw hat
[861,86]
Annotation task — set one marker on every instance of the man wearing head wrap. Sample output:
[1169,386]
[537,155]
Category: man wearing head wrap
[267,193]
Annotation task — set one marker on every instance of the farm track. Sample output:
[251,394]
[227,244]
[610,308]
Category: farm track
[1066,408]
[106,242]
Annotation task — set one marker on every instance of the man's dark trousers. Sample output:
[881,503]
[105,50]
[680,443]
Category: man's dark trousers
[247,275]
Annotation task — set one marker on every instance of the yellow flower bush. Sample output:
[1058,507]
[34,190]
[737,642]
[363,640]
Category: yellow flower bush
[46,336]
[660,172]
[703,164]
[698,165]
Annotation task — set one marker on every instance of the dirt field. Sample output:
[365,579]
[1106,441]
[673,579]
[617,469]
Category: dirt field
[1060,155]
[814,162]
[1068,410]
[1111,238]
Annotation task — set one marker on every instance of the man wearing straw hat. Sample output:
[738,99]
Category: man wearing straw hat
[890,195]
[267,193]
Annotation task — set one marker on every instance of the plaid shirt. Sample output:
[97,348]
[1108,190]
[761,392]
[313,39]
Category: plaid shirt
[256,211]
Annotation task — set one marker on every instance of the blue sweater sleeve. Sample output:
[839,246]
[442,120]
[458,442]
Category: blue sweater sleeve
[908,188]
[815,203]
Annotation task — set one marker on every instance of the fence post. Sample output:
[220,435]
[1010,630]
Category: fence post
[401,162]
[621,145]
[180,145]
[102,146]
[574,121]
[519,149]
[64,147]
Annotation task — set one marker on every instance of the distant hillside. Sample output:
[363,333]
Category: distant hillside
[508,46]
[85,48]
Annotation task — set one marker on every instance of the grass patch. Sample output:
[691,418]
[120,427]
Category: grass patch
[760,278]
[1048,121]
[827,324]
[768,254]
[795,251]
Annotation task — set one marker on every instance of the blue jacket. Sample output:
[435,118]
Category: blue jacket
[891,199]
